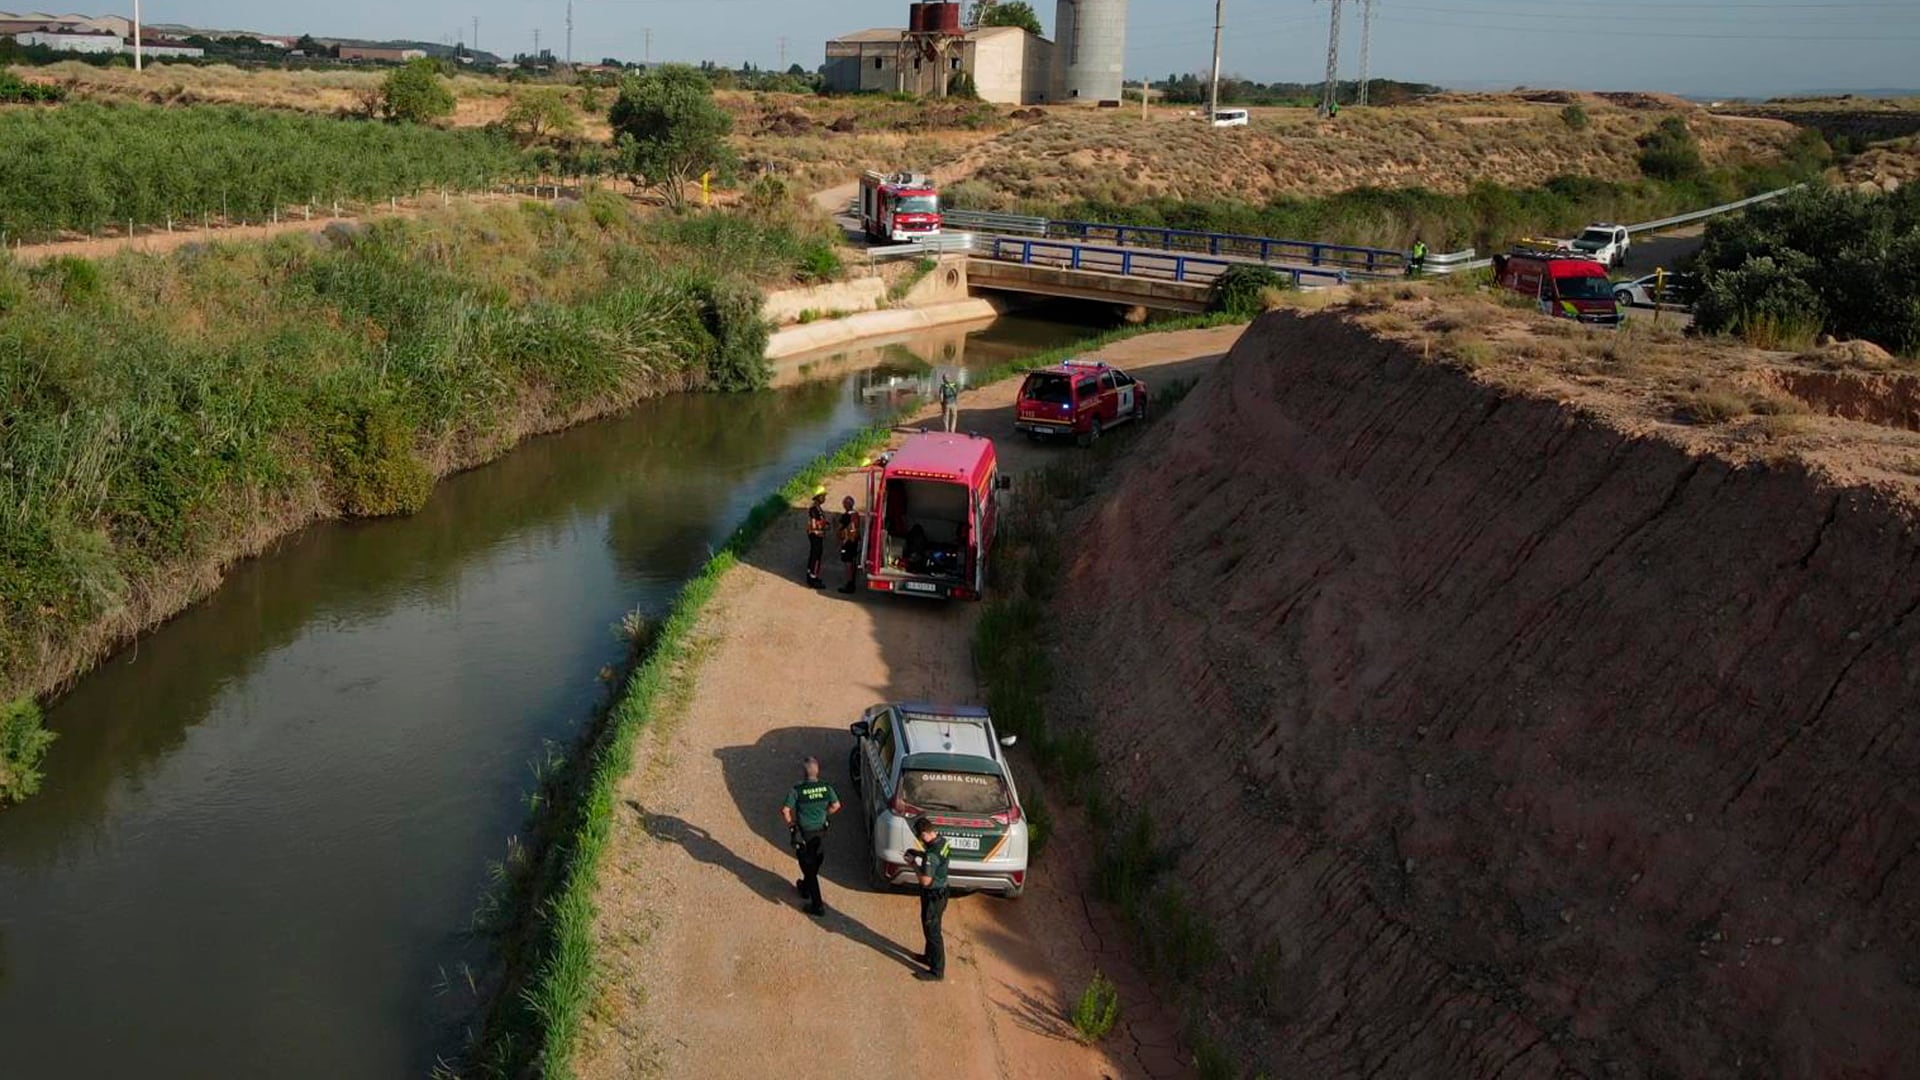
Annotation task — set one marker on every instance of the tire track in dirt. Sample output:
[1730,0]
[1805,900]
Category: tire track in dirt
[708,965]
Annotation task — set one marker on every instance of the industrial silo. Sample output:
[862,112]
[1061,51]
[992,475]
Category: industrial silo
[1089,50]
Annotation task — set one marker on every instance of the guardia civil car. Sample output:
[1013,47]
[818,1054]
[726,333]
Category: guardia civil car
[943,761]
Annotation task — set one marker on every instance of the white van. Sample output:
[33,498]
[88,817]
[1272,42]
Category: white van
[1230,118]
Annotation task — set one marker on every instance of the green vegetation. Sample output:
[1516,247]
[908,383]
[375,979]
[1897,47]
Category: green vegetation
[1575,117]
[1097,1010]
[13,91]
[1191,89]
[83,166]
[669,130]
[414,94]
[159,410]
[23,742]
[1840,262]
[1013,13]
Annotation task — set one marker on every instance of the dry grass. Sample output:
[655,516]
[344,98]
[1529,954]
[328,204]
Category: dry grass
[1115,155]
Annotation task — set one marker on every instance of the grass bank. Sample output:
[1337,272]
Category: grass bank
[164,416]
[535,1022]
[23,742]
[1013,646]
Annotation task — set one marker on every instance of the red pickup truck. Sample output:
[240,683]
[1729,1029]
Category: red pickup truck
[1078,398]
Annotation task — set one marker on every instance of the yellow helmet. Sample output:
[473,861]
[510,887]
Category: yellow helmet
[820,492]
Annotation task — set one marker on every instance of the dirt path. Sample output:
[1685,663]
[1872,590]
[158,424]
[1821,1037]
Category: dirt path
[710,968]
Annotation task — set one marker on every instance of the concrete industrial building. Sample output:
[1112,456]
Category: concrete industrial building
[1008,65]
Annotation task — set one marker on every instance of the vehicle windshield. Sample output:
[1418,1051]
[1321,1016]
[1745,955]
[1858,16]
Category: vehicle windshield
[918,204]
[955,792]
[1051,388]
[1584,288]
[1593,240]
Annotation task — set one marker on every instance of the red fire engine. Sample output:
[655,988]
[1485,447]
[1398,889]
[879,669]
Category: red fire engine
[899,207]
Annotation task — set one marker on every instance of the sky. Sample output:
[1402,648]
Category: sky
[1703,47]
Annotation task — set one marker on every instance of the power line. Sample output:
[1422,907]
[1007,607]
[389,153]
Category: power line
[1366,47]
[1646,34]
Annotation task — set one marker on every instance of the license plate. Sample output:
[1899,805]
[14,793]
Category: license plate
[964,843]
[920,586]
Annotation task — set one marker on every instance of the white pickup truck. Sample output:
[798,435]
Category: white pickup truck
[1604,243]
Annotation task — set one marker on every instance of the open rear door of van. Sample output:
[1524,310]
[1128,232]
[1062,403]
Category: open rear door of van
[873,540]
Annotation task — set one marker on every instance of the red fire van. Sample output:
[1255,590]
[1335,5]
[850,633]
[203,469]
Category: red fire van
[931,509]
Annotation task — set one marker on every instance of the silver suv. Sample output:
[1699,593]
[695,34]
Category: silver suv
[943,761]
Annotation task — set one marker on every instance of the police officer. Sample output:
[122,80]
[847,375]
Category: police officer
[816,536]
[849,533]
[809,804]
[933,863]
[1417,263]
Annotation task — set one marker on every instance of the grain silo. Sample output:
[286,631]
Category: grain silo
[1089,50]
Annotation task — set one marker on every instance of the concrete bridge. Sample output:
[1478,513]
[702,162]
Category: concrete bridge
[1164,280]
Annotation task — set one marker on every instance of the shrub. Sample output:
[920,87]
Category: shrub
[1242,289]
[541,112]
[1670,152]
[414,93]
[1098,1009]
[23,742]
[730,312]
[669,129]
[1575,117]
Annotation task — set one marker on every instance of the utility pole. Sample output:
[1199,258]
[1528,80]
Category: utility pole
[476,33]
[1366,45]
[1333,60]
[1146,87]
[783,52]
[138,51]
[1213,87]
[649,53]
[569,33]
[536,44]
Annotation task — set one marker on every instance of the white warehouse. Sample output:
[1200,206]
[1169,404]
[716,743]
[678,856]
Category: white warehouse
[1007,64]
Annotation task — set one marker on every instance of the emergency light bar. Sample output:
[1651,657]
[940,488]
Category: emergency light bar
[1078,362]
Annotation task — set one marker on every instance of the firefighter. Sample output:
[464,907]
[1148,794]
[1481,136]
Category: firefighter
[949,403]
[849,542]
[816,537]
[1417,262]
[809,804]
[932,864]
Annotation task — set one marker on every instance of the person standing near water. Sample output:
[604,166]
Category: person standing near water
[816,536]
[949,403]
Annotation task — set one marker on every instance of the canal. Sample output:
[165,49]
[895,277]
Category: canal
[265,828]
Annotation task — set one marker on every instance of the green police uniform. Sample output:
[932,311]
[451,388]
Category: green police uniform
[810,801]
[933,903]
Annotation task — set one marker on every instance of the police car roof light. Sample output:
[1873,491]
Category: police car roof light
[1082,362]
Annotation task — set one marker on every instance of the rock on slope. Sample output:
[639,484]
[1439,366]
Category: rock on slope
[1501,741]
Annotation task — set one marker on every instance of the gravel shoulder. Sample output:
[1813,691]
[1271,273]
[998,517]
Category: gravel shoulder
[708,965]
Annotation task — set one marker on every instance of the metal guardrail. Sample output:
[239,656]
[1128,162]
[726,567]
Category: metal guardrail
[983,221]
[943,244]
[1701,215]
[1133,262]
[1263,249]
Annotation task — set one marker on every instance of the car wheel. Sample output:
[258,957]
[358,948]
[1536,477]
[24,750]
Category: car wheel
[1093,434]
[877,877]
[1623,298]
[853,766]
[1140,408]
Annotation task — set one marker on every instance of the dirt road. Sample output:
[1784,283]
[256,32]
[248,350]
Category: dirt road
[710,968]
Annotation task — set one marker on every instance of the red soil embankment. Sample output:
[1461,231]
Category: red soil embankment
[1500,740]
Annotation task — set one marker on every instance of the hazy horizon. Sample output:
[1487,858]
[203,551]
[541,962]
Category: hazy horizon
[1708,47]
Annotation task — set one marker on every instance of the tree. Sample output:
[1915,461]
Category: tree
[669,129]
[414,93]
[539,111]
[1016,13]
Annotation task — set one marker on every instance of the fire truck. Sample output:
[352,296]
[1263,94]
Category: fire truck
[899,206]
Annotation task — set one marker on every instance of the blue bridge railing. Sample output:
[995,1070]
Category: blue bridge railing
[1266,249]
[1135,262]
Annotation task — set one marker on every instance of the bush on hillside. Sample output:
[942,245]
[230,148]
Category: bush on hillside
[1839,261]
[14,91]
[1575,117]
[1670,152]
[669,129]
